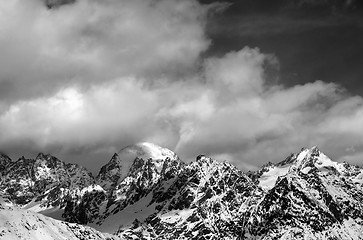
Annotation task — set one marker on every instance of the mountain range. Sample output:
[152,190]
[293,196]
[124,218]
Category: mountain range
[148,192]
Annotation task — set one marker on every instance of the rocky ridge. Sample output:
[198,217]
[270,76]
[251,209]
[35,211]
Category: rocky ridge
[4,161]
[44,181]
[146,192]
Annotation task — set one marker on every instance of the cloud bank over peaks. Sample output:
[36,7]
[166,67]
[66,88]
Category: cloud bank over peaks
[95,76]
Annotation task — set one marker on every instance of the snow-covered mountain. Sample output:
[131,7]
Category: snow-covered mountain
[306,161]
[147,192]
[202,202]
[118,168]
[43,184]
[129,176]
[308,195]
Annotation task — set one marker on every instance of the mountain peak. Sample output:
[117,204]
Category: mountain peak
[4,157]
[313,158]
[115,158]
[146,150]
[47,157]
[307,152]
[42,156]
[119,166]
[203,158]
[306,156]
[306,160]
[4,161]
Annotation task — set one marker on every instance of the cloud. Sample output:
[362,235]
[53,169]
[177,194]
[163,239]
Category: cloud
[90,41]
[101,116]
[260,122]
[96,76]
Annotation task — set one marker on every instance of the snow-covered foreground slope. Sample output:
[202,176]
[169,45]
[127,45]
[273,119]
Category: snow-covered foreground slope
[16,223]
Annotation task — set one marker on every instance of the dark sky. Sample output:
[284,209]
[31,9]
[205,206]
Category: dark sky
[313,40]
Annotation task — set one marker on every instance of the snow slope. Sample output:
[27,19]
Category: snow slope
[16,223]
